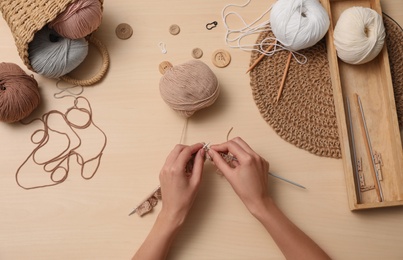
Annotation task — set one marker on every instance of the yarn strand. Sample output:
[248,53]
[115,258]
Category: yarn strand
[62,159]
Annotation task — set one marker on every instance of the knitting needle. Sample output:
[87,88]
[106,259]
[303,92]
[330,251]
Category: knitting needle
[261,57]
[370,153]
[205,147]
[284,179]
[284,76]
[149,196]
[357,176]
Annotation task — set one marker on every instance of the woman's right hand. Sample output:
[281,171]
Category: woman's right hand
[248,174]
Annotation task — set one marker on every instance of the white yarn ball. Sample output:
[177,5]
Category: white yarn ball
[299,24]
[359,35]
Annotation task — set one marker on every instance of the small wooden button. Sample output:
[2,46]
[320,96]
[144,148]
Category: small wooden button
[164,67]
[197,53]
[174,29]
[124,31]
[221,58]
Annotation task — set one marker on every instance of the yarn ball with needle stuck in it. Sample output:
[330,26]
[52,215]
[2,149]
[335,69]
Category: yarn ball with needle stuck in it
[19,93]
[189,87]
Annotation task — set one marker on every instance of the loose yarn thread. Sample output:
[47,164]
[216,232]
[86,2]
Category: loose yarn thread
[296,24]
[61,161]
[80,19]
[74,90]
[19,93]
[53,56]
[359,35]
[234,37]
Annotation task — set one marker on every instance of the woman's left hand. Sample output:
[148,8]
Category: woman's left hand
[180,178]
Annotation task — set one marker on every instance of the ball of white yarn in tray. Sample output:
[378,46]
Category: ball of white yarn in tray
[299,24]
[359,35]
[53,56]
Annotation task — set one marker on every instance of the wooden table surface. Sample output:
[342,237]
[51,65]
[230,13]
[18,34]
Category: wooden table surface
[88,219]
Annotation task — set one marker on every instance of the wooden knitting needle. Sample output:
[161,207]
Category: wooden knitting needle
[260,57]
[284,76]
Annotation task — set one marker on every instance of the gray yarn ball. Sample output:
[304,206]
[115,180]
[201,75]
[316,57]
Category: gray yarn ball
[54,56]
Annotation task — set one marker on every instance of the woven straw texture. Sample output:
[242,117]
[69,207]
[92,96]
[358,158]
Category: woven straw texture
[305,114]
[26,17]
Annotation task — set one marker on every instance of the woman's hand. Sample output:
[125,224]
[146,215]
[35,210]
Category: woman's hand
[180,179]
[248,175]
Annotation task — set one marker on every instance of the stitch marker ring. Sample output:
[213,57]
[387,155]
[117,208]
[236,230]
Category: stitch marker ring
[211,25]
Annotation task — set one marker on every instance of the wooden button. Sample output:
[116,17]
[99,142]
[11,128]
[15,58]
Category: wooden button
[174,29]
[197,53]
[164,67]
[221,58]
[124,31]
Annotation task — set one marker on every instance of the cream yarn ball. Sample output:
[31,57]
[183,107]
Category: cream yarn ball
[359,35]
[299,24]
[189,87]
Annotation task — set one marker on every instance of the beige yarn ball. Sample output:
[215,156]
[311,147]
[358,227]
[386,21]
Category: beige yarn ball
[189,87]
[359,35]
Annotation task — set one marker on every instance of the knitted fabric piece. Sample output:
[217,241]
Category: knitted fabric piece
[305,114]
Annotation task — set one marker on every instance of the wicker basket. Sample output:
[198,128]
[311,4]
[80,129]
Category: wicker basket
[26,17]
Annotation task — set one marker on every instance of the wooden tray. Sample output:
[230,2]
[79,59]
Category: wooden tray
[373,84]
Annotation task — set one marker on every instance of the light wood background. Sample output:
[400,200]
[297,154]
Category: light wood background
[81,219]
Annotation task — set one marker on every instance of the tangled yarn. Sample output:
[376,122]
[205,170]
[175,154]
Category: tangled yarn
[189,87]
[299,24]
[80,18]
[19,93]
[359,35]
[53,56]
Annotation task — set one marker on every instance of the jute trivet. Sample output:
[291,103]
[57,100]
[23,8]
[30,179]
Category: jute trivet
[305,114]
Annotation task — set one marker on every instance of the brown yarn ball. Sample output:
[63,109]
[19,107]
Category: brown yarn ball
[189,87]
[19,93]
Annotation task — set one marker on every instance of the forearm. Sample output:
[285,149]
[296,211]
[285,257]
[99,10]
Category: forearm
[291,240]
[158,241]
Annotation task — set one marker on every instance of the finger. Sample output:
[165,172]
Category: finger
[174,153]
[187,152]
[243,144]
[198,167]
[220,163]
[232,147]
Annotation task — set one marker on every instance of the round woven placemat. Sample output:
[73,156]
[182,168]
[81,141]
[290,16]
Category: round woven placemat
[305,114]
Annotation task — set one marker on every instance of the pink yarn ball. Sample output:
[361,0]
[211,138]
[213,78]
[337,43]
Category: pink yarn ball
[80,19]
